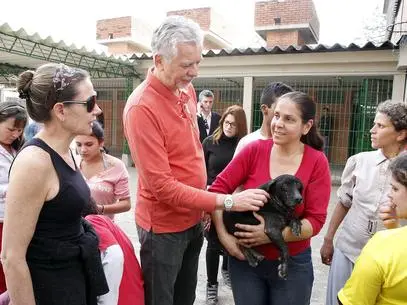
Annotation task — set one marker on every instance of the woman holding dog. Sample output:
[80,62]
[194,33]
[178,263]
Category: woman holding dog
[296,149]
[380,273]
[364,189]
[218,151]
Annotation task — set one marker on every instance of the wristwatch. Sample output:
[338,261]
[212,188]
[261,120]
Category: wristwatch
[228,202]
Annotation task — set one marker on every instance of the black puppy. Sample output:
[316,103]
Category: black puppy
[285,194]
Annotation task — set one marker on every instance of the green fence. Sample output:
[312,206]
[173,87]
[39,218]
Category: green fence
[345,106]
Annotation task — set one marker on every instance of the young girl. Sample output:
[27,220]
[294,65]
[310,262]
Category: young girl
[106,175]
[380,272]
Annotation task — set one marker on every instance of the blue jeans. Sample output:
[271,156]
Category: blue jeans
[262,286]
[169,262]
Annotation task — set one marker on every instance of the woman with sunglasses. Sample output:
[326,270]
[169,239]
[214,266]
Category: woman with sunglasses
[218,151]
[50,254]
[107,176]
[13,118]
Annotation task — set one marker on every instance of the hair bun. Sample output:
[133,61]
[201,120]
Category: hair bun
[24,84]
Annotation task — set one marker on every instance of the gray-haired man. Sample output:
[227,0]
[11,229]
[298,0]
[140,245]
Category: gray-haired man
[208,120]
[161,128]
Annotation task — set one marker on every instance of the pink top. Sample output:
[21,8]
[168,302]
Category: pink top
[110,185]
[251,169]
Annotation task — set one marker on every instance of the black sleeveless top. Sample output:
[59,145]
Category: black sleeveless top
[63,256]
[60,217]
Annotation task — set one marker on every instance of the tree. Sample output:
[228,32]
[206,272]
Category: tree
[374,27]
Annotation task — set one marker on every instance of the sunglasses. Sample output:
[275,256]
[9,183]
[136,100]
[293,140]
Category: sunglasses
[90,103]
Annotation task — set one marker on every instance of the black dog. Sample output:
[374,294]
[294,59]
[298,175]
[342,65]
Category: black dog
[285,194]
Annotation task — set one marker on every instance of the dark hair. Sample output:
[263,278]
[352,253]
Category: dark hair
[16,111]
[90,208]
[97,131]
[397,113]
[308,110]
[398,168]
[272,92]
[241,123]
[205,93]
[47,85]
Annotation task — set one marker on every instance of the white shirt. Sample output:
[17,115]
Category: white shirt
[112,261]
[365,184]
[5,162]
[247,139]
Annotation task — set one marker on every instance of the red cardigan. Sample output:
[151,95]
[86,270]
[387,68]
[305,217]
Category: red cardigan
[251,169]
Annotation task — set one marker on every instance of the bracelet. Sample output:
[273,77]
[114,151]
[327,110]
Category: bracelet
[103,209]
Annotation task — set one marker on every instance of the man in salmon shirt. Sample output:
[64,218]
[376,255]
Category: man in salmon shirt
[160,125]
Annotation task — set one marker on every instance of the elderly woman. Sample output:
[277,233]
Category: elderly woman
[365,186]
[50,256]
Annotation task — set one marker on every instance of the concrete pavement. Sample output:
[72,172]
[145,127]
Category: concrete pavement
[126,222]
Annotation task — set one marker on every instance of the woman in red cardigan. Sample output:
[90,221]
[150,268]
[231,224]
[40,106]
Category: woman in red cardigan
[295,148]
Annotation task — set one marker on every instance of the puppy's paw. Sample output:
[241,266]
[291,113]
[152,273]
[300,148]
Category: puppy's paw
[295,226]
[282,271]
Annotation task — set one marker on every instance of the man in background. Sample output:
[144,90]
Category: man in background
[208,120]
[268,100]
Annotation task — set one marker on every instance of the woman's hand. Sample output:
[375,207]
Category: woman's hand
[231,245]
[249,200]
[327,251]
[254,235]
[388,214]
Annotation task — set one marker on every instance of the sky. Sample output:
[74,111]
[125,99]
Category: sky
[74,21]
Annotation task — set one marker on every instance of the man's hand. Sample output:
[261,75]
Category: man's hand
[327,251]
[254,234]
[249,200]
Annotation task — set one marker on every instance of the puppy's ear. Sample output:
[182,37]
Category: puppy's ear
[268,187]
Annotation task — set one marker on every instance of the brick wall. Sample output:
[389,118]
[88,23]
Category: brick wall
[289,12]
[284,38]
[119,27]
[122,48]
[202,16]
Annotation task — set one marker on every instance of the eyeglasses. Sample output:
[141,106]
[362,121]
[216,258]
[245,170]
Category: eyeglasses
[231,124]
[90,103]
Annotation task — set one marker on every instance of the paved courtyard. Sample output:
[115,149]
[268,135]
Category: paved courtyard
[126,221]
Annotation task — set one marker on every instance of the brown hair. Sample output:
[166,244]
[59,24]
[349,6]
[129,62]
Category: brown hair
[398,168]
[241,123]
[47,85]
[307,108]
